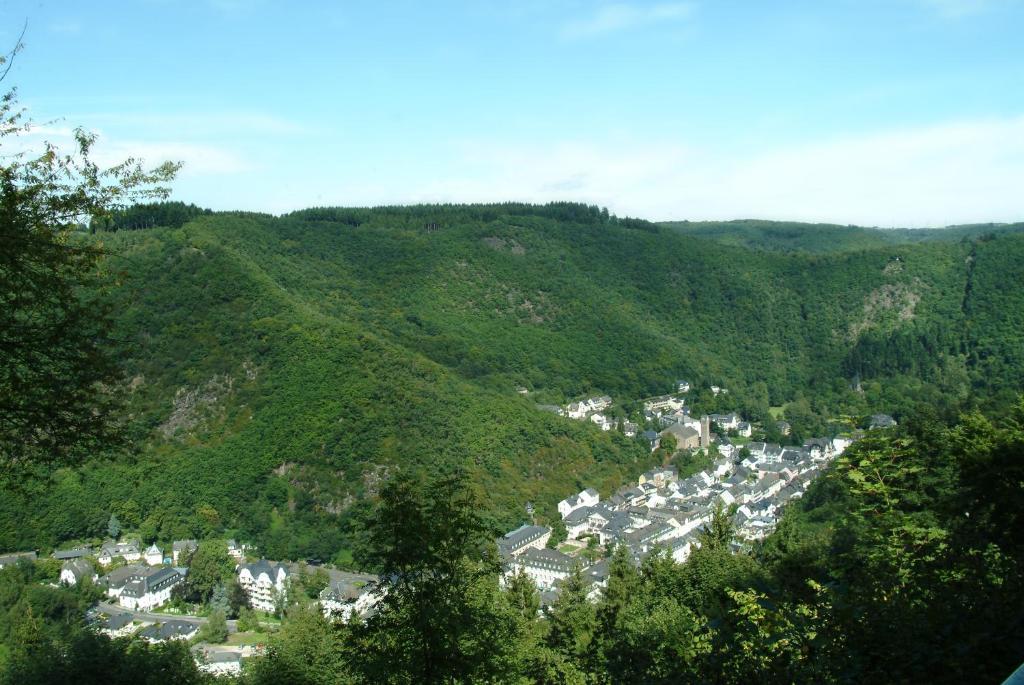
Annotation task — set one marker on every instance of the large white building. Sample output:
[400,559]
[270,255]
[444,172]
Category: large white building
[141,587]
[586,498]
[523,538]
[543,566]
[264,582]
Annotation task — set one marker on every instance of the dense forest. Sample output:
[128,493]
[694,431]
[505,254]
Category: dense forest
[278,370]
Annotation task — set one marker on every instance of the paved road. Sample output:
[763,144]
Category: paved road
[112,609]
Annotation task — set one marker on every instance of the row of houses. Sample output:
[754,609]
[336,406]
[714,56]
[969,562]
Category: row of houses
[215,661]
[346,594]
[662,510]
[130,551]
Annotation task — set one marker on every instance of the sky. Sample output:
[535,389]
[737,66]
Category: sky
[870,112]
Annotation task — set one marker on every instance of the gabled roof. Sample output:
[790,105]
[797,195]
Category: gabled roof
[523,535]
[117,621]
[74,553]
[79,568]
[346,587]
[549,559]
[271,568]
[579,515]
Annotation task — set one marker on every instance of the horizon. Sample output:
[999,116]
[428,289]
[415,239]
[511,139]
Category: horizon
[825,224]
[901,114]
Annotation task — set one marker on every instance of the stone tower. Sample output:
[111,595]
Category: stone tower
[705,432]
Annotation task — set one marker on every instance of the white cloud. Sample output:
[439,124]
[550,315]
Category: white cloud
[199,159]
[620,16]
[958,172]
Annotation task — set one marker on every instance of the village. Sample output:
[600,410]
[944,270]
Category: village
[137,584]
[663,511]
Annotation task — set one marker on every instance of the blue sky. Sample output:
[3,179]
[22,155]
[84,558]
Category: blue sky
[898,112]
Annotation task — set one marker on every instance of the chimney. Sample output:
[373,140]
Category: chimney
[705,431]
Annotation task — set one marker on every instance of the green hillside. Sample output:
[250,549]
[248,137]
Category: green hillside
[791,236]
[280,368]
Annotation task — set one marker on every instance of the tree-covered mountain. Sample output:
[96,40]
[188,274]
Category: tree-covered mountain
[279,368]
[791,236]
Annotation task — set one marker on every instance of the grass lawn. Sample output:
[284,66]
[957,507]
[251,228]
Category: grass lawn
[776,412]
[249,638]
[739,440]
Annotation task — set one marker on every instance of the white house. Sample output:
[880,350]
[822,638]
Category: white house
[153,555]
[235,550]
[543,566]
[602,421]
[117,625]
[680,548]
[181,549]
[350,593]
[141,587]
[127,550]
[74,571]
[585,498]
[664,403]
[577,522]
[169,630]
[151,591]
[264,582]
[682,386]
[220,662]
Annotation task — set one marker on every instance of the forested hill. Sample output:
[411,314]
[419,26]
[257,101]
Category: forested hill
[279,368]
[790,236]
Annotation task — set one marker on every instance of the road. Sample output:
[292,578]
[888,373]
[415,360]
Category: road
[112,609]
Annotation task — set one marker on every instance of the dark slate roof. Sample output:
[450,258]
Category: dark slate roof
[75,553]
[579,515]
[523,535]
[345,586]
[596,572]
[80,568]
[184,545]
[550,559]
[170,629]
[265,566]
[121,576]
[117,621]
[15,557]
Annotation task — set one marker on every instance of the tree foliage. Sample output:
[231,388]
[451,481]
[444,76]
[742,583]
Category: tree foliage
[56,367]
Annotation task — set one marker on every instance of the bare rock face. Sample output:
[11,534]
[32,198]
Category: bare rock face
[192,408]
[885,307]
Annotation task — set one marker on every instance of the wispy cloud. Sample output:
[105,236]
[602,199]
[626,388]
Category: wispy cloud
[622,16]
[956,172]
[198,124]
[66,28]
[199,158]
